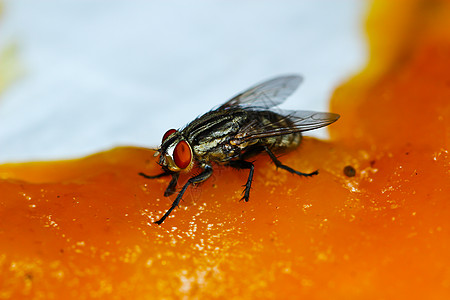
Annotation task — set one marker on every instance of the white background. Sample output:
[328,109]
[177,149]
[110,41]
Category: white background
[99,74]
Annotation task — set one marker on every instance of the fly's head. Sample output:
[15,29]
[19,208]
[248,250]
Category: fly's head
[175,153]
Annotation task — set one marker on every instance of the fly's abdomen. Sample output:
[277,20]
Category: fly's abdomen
[283,142]
[272,122]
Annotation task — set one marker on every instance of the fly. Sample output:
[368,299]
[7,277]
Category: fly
[246,125]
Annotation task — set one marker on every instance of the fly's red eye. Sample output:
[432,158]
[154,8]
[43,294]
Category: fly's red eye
[182,155]
[168,132]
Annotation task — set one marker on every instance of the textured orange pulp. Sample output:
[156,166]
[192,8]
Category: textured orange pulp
[83,228]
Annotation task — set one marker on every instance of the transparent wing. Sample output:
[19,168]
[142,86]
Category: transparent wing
[267,94]
[292,122]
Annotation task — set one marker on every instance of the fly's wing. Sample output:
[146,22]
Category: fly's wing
[289,122]
[267,94]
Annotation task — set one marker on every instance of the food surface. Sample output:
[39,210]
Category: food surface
[374,224]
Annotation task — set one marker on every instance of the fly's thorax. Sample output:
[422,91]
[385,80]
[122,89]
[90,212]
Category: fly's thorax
[217,150]
[214,125]
[209,135]
[175,152]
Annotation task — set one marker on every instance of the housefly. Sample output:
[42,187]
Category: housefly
[248,124]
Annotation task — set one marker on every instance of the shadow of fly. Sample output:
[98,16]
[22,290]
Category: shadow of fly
[248,124]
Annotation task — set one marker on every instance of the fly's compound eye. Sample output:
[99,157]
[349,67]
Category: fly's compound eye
[167,134]
[182,155]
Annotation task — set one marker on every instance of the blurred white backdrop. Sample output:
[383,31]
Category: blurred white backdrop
[99,74]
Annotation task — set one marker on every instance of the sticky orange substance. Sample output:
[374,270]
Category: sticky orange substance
[83,228]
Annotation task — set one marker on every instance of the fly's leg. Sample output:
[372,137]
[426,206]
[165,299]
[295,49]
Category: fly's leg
[165,173]
[171,188]
[289,169]
[205,174]
[242,164]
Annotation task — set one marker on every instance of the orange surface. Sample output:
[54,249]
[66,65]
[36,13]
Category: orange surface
[83,228]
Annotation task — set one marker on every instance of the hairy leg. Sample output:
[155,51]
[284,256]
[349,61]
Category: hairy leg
[171,188]
[205,174]
[242,164]
[289,169]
